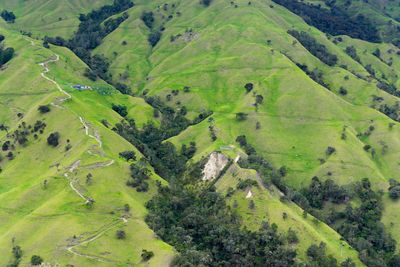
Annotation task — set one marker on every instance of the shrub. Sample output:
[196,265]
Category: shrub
[17,252]
[121,234]
[259,99]
[248,87]
[367,147]
[206,2]
[342,91]
[147,255]
[394,192]
[148,19]
[128,155]
[121,110]
[6,54]
[352,52]
[44,109]
[8,16]
[241,139]
[36,260]
[6,146]
[90,75]
[241,116]
[330,150]
[154,37]
[53,139]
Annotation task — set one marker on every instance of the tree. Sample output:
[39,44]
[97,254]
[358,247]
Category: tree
[394,192]
[120,109]
[90,74]
[241,116]
[248,87]
[44,109]
[17,252]
[147,255]
[46,44]
[89,178]
[8,16]
[241,139]
[259,99]
[4,128]
[205,2]
[148,19]
[330,150]
[36,260]
[121,234]
[154,37]
[342,91]
[53,139]
[128,155]
[6,54]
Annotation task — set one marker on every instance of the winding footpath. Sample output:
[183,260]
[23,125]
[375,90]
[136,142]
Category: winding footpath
[74,166]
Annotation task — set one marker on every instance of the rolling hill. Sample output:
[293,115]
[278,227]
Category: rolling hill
[308,106]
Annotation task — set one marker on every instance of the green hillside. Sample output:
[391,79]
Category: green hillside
[66,229]
[51,18]
[306,103]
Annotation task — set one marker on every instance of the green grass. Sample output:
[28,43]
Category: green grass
[299,118]
[268,208]
[41,220]
[52,18]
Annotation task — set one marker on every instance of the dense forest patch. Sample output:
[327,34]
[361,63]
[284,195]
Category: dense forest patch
[333,21]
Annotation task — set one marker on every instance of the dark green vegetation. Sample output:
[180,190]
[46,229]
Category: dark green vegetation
[36,260]
[214,230]
[6,54]
[90,33]
[8,16]
[334,20]
[318,50]
[53,139]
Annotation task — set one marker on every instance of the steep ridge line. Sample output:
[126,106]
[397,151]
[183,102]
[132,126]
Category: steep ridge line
[75,165]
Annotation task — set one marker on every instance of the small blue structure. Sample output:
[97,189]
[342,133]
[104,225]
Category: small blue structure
[81,87]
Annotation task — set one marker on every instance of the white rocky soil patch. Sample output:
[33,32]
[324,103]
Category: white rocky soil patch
[214,165]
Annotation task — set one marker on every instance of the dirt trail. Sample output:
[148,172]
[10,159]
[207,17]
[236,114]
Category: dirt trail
[74,166]
[95,136]
[91,238]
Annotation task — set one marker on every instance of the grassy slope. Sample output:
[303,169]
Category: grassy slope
[43,221]
[42,17]
[299,118]
[269,208]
